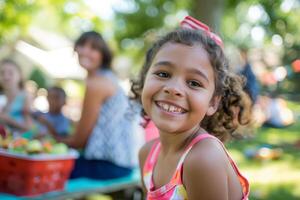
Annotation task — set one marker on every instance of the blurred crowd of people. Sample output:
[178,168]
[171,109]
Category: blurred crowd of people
[268,110]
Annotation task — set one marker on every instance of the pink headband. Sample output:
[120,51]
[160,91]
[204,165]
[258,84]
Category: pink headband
[192,23]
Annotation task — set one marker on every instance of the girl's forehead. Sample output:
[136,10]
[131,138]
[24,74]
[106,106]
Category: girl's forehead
[180,47]
[182,53]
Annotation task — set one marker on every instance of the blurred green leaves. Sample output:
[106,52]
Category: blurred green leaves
[15,17]
[69,17]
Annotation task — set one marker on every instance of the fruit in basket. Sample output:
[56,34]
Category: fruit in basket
[47,146]
[5,142]
[24,146]
[59,148]
[18,145]
[19,142]
[49,139]
[34,146]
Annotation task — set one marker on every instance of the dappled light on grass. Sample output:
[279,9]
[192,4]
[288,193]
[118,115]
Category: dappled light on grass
[271,179]
[278,172]
[284,191]
[281,135]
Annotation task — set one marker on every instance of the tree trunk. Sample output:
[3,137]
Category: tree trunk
[208,11]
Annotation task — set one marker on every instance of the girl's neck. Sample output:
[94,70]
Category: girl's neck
[174,143]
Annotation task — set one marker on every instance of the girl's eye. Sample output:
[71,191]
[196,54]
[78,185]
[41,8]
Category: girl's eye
[194,84]
[162,74]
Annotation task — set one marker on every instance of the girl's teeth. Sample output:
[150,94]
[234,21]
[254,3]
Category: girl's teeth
[165,107]
[170,108]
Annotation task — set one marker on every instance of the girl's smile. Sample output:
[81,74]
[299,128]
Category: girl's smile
[170,108]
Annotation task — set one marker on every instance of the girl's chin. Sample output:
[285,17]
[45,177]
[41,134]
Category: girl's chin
[168,128]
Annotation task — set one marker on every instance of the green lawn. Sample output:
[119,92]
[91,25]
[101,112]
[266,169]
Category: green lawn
[272,179]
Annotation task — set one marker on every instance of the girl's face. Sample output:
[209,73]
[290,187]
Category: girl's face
[179,87]
[89,57]
[9,76]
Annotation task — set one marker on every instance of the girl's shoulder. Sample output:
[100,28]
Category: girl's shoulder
[207,156]
[205,171]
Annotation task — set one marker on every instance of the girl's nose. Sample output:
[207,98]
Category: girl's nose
[173,89]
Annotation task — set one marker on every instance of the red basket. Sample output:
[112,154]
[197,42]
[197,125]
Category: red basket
[30,176]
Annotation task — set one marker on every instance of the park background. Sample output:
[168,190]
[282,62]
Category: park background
[39,35]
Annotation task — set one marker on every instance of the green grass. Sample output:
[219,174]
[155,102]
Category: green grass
[272,179]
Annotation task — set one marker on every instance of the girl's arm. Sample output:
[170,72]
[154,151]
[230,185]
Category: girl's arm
[204,173]
[97,91]
[143,153]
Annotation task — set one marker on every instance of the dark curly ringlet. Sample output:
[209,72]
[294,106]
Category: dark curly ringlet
[97,42]
[234,106]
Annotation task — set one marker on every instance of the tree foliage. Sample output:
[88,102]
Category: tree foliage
[68,17]
[15,16]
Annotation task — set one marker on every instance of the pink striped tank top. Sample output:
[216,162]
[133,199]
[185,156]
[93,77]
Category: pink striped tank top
[175,190]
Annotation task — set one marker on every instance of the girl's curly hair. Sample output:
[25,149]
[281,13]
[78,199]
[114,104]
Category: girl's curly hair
[234,107]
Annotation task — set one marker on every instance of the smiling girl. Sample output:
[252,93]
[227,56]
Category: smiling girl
[187,90]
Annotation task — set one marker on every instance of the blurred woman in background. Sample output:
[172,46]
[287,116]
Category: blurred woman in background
[106,130]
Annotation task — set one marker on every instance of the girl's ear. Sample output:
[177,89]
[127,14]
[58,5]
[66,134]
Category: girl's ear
[214,104]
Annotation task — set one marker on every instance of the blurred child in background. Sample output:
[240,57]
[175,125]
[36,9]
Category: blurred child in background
[54,122]
[15,115]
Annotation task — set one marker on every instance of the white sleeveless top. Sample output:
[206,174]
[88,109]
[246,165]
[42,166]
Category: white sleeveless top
[115,136]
